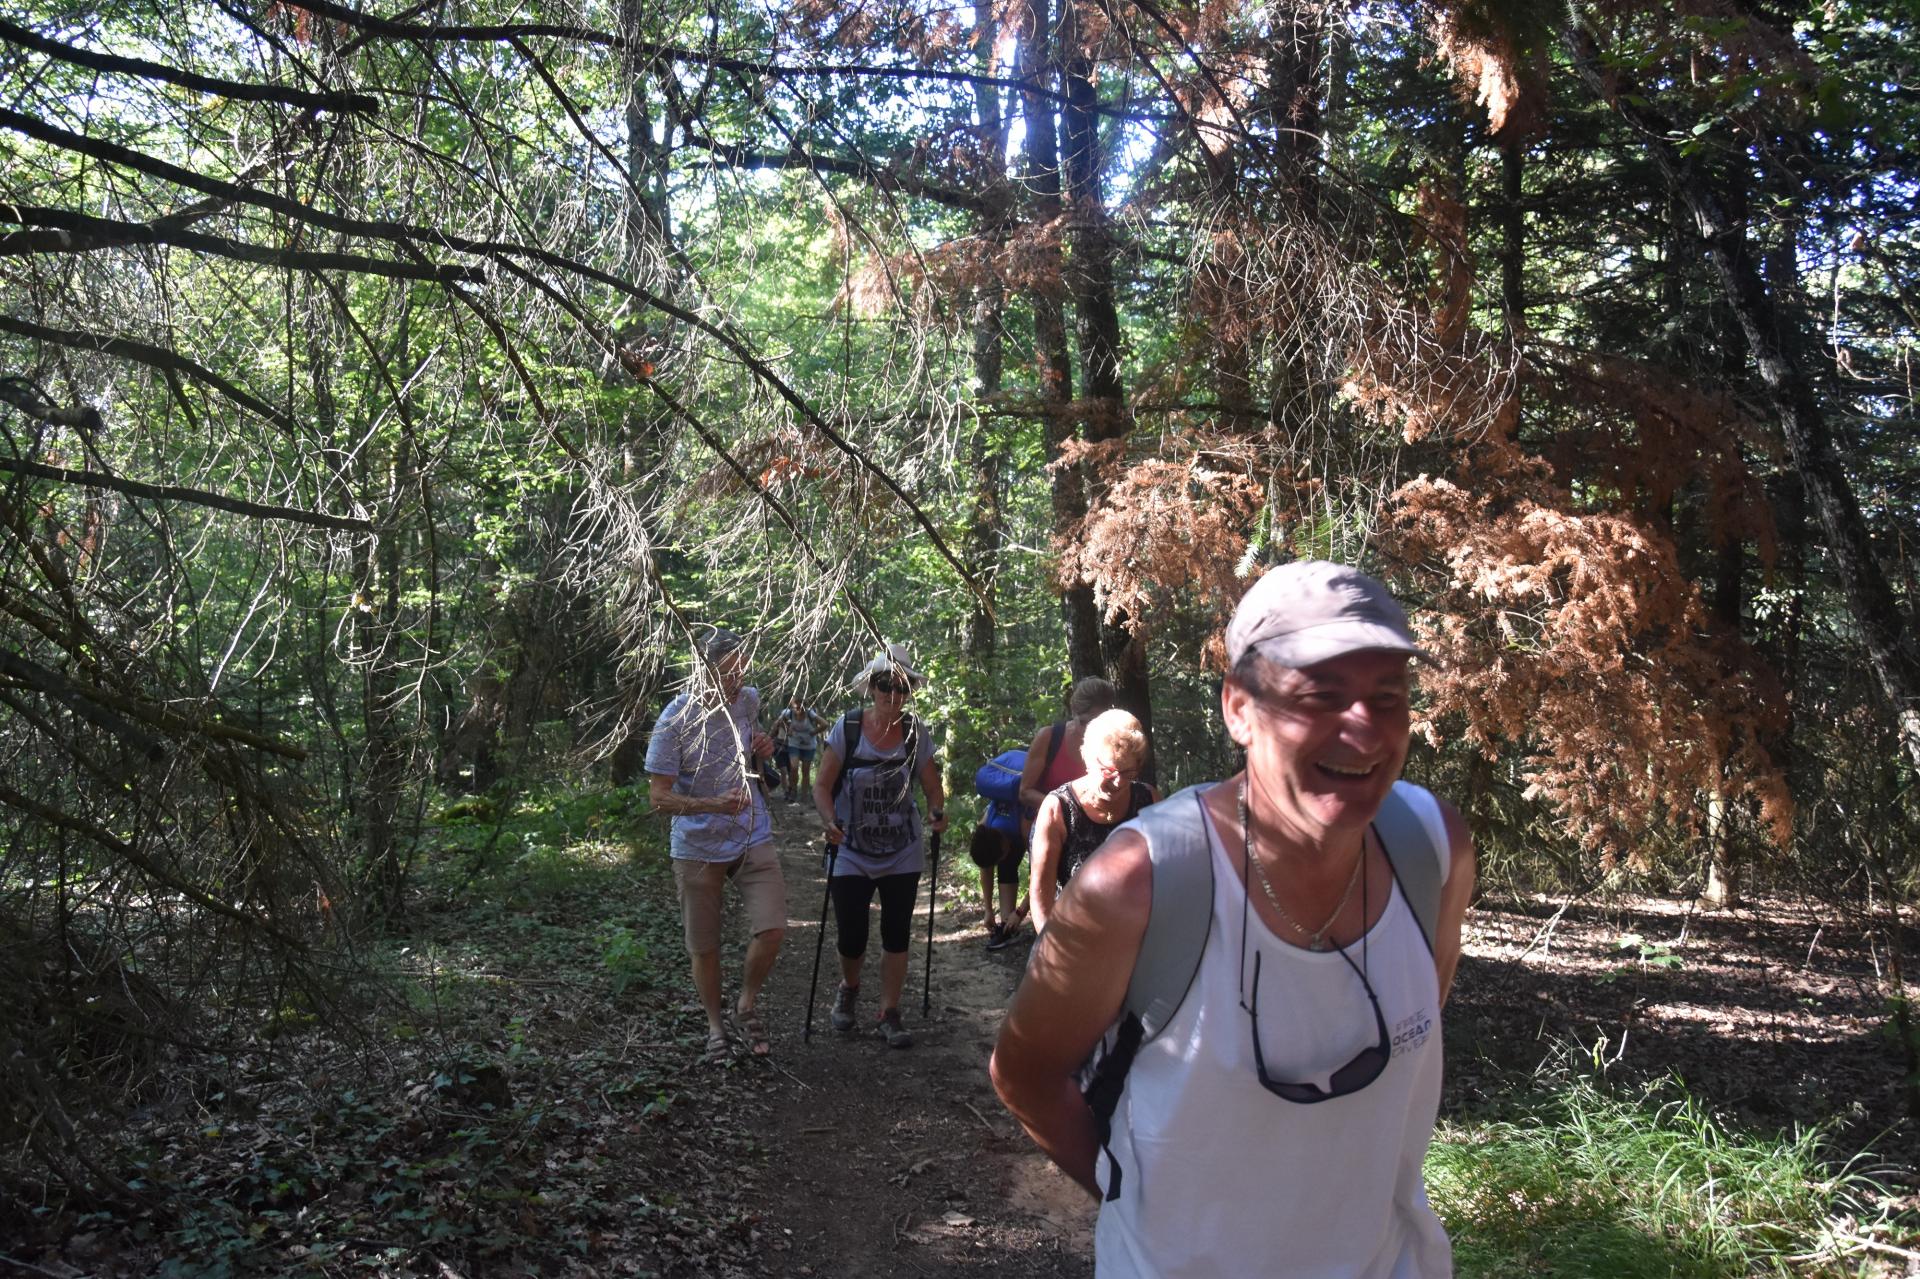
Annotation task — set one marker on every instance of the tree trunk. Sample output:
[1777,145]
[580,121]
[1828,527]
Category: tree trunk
[1513,238]
[648,228]
[986,455]
[1123,639]
[1042,180]
[377,612]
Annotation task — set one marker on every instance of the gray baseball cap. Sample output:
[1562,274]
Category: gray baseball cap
[1313,611]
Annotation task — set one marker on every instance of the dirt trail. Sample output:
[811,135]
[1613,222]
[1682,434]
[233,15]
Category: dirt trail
[888,1161]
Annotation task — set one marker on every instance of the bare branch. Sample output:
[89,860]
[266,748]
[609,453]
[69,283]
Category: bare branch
[154,357]
[80,233]
[884,179]
[175,493]
[77,699]
[644,50]
[239,90]
[113,843]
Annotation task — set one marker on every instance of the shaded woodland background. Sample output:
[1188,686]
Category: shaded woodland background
[389,391]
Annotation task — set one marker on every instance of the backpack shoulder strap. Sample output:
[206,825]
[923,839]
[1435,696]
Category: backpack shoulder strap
[910,745]
[850,740]
[1179,916]
[1416,862]
[1181,912]
[1059,730]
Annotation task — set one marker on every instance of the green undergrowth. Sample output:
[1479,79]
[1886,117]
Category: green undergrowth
[1573,1176]
[509,1095]
[564,885]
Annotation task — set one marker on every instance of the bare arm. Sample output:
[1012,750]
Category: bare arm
[936,793]
[1043,860]
[660,792]
[1455,894]
[1031,796]
[1073,989]
[823,779]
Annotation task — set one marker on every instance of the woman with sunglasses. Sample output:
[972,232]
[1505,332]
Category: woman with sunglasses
[864,796]
[1076,818]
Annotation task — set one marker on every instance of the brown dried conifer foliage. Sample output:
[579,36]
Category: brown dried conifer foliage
[1497,58]
[1168,528]
[1578,635]
[1553,586]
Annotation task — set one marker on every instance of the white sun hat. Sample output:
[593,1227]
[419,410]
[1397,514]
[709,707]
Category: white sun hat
[893,660]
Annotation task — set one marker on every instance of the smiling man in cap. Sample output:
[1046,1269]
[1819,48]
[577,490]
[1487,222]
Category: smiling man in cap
[1272,1115]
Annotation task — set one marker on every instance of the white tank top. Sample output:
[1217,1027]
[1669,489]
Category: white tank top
[1221,1178]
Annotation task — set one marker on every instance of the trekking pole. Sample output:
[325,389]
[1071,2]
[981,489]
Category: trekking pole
[820,943]
[933,891]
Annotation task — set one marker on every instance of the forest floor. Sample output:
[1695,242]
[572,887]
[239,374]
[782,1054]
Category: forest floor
[536,1103]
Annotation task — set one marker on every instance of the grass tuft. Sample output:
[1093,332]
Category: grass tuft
[1578,1178]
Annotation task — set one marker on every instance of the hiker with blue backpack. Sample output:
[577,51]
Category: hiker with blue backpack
[999,844]
[1015,783]
[1229,1032]
[863,793]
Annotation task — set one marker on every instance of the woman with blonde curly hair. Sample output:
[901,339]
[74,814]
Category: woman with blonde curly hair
[1077,817]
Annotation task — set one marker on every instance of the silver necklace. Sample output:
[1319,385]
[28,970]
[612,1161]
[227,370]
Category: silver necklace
[1316,938]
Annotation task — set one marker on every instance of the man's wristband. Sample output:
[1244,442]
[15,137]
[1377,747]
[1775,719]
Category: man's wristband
[937,814]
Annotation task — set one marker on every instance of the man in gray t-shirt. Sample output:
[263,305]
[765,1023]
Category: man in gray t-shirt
[702,766]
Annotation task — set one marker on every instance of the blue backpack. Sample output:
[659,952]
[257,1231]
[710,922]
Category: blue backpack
[998,782]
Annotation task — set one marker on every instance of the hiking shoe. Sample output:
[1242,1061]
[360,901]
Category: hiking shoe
[896,1035]
[1001,937]
[842,1015]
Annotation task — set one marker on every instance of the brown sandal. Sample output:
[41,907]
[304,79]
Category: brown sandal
[754,1031]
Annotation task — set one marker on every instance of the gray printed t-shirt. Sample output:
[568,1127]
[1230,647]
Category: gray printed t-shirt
[877,808]
[700,747]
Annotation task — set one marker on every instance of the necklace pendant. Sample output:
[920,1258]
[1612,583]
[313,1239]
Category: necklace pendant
[1317,942]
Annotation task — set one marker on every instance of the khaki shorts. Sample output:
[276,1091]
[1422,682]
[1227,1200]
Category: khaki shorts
[763,893]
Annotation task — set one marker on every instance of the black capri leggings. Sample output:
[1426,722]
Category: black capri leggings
[852,894]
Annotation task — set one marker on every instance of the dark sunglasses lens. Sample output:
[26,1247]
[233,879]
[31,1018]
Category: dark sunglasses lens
[887,684]
[1359,1072]
[1304,1094]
